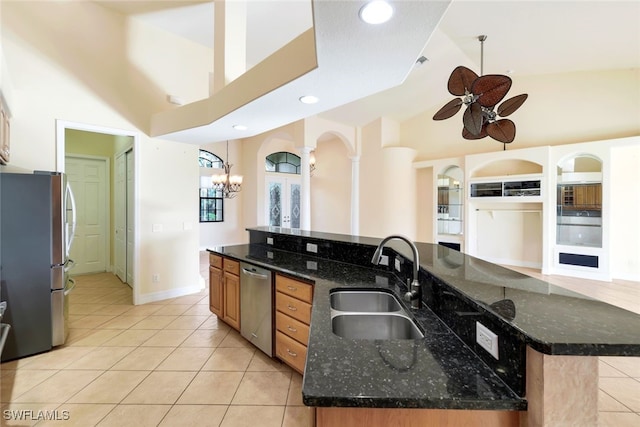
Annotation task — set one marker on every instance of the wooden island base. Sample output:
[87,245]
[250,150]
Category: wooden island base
[385,417]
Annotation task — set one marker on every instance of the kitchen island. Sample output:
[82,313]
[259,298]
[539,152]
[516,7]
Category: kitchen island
[445,377]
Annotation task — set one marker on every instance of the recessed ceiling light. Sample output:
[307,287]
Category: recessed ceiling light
[308,99]
[376,12]
[240,127]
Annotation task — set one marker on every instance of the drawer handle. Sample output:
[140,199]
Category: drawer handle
[292,288]
[292,308]
[292,329]
[291,353]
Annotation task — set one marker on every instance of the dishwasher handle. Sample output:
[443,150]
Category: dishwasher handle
[254,274]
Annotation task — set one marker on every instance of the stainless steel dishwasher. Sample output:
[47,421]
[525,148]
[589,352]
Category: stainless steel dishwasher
[256,302]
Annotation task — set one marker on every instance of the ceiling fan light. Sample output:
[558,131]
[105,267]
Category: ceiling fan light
[376,12]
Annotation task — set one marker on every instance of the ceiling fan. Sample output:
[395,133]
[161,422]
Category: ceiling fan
[481,94]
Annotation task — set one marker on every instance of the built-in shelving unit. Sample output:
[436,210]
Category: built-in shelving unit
[504,188]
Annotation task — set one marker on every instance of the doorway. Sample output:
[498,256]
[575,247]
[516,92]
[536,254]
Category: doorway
[283,201]
[124,145]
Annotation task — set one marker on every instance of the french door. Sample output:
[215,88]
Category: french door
[283,201]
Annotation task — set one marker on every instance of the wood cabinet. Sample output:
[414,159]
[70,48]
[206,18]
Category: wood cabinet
[224,289]
[581,196]
[231,298]
[216,294]
[293,316]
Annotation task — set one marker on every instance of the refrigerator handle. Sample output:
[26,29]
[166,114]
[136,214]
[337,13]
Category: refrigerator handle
[72,233]
[68,265]
[67,290]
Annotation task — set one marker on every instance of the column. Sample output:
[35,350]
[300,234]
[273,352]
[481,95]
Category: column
[355,195]
[230,43]
[305,196]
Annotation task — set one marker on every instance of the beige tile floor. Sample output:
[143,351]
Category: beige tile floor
[173,363]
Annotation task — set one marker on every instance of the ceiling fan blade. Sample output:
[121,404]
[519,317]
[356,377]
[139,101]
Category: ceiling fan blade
[468,135]
[449,110]
[472,118]
[503,130]
[509,106]
[490,89]
[461,80]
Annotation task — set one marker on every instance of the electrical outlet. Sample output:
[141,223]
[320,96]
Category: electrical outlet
[487,340]
[312,248]
[269,240]
[156,228]
[312,265]
[155,278]
[397,264]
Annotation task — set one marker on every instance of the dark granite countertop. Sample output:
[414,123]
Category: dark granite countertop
[437,371]
[554,320]
[446,369]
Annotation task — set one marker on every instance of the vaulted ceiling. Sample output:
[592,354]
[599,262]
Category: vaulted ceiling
[376,64]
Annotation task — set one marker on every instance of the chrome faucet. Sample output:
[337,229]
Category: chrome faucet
[414,295]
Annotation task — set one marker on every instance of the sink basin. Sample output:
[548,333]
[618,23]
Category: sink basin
[364,301]
[375,327]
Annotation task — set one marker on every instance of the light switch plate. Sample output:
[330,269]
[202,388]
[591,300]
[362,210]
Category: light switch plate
[269,240]
[384,260]
[313,248]
[397,263]
[487,340]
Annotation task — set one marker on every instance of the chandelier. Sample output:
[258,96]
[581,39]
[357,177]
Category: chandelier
[227,183]
[480,95]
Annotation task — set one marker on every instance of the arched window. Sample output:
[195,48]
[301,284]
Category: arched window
[211,200]
[282,162]
[209,160]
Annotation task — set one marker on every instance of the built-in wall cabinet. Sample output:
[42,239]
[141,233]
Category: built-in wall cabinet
[543,207]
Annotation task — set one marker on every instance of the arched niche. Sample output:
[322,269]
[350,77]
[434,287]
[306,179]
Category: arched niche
[450,208]
[579,201]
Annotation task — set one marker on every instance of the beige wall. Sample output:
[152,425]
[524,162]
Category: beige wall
[331,188]
[80,75]
[561,109]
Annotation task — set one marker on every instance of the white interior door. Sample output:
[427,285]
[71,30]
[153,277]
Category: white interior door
[283,206]
[88,180]
[130,217]
[124,219]
[120,208]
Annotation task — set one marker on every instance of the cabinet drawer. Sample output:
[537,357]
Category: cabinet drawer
[300,290]
[292,327]
[293,307]
[291,351]
[231,266]
[215,260]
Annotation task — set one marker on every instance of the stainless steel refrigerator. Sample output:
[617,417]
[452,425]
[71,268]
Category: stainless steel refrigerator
[37,221]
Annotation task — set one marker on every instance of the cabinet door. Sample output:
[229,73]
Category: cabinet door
[216,293]
[231,307]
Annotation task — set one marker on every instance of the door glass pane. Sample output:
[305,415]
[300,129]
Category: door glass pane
[275,204]
[295,205]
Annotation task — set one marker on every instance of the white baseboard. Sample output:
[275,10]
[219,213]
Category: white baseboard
[169,293]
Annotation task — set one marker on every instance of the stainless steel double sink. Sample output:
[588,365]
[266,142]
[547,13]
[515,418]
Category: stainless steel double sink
[370,315]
